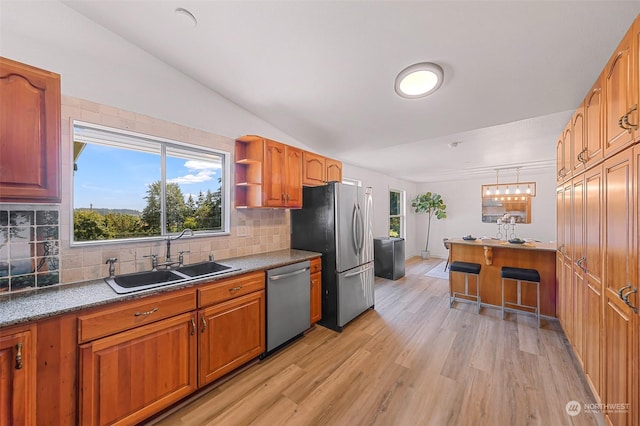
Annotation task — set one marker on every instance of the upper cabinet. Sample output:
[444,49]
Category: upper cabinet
[267,173]
[593,106]
[271,174]
[579,149]
[621,106]
[318,170]
[29,134]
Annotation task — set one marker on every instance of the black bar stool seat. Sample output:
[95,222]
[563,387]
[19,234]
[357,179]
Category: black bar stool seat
[520,275]
[467,269]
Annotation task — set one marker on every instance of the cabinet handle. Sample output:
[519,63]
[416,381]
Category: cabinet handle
[204,325]
[626,119]
[561,249]
[19,356]
[625,297]
[623,289]
[579,264]
[193,326]
[621,124]
[144,314]
[234,289]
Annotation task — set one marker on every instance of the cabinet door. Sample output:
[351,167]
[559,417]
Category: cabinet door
[577,275]
[29,133]
[619,272]
[316,297]
[560,158]
[129,376]
[567,144]
[231,334]
[314,169]
[593,107]
[334,170]
[593,216]
[274,179]
[578,134]
[17,379]
[294,177]
[617,92]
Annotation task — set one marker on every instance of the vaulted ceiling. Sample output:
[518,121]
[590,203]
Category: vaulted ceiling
[323,72]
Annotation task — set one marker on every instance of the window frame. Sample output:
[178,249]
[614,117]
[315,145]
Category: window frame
[403,213]
[163,143]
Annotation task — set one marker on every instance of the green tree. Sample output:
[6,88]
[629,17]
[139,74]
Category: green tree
[89,225]
[121,225]
[176,208]
[151,213]
[431,204]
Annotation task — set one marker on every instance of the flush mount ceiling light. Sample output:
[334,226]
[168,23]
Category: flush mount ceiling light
[186,16]
[419,80]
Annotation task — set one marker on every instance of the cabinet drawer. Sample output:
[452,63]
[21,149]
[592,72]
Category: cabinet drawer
[229,288]
[106,321]
[315,265]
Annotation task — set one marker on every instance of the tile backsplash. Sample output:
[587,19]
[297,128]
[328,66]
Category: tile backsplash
[29,247]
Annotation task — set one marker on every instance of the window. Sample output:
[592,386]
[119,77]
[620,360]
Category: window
[128,185]
[396,213]
[349,181]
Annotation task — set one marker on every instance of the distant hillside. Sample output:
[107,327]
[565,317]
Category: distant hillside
[104,212]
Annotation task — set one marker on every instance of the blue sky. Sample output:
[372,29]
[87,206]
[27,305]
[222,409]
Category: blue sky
[115,178]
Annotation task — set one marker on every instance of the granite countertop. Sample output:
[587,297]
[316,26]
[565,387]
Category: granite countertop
[23,307]
[530,245]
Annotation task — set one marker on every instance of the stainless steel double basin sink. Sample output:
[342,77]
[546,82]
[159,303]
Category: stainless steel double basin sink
[138,281]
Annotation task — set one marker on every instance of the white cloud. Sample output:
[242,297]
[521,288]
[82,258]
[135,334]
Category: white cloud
[202,165]
[205,171]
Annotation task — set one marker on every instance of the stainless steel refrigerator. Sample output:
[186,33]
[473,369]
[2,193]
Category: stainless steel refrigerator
[336,220]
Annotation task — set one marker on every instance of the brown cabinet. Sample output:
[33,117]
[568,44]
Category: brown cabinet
[231,324]
[620,279]
[17,376]
[578,146]
[29,133]
[231,334]
[314,169]
[316,290]
[267,173]
[592,264]
[576,266]
[129,376]
[620,111]
[318,170]
[593,138]
[334,170]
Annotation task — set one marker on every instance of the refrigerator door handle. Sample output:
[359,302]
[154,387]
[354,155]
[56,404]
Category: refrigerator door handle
[361,223]
[360,272]
[354,228]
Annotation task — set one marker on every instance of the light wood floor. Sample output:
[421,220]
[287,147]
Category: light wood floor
[411,361]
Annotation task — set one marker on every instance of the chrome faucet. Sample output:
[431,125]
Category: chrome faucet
[168,262]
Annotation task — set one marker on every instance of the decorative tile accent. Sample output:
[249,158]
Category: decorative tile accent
[29,248]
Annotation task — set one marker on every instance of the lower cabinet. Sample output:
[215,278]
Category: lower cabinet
[231,334]
[17,377]
[129,376]
[316,290]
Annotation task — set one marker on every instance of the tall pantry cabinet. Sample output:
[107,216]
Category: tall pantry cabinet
[599,233]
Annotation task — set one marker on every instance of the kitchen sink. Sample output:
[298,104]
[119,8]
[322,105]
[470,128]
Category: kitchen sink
[204,268]
[137,281]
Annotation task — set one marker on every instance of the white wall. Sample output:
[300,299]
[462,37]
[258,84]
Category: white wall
[102,67]
[381,185]
[464,211]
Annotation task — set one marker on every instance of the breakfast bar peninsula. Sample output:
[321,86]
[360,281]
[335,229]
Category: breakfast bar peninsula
[492,255]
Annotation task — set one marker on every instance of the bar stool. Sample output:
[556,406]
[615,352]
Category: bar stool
[467,269]
[520,275]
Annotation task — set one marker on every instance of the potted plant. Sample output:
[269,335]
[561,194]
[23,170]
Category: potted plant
[433,205]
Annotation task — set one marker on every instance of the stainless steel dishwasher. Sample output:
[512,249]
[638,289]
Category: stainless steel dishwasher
[288,303]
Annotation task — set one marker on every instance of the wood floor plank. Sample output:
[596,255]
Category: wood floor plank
[411,361]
